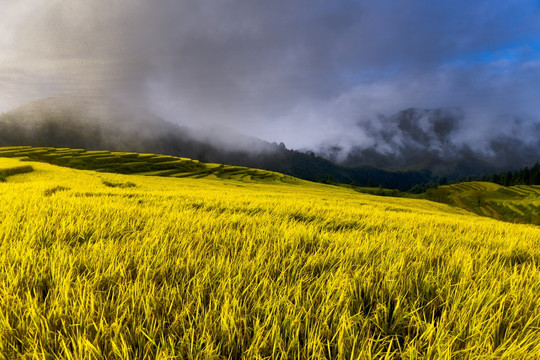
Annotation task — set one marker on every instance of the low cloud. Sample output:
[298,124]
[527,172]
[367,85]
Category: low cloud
[316,75]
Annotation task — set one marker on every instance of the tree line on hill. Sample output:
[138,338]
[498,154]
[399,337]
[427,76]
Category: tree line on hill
[525,176]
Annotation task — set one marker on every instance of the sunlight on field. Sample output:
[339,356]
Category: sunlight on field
[517,204]
[107,266]
[141,164]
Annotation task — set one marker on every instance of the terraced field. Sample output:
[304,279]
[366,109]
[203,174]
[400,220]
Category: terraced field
[520,203]
[140,164]
[7,168]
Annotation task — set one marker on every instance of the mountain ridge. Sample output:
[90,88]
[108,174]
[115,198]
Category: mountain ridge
[434,139]
[99,122]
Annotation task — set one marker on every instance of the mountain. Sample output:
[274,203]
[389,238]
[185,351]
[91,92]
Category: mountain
[433,139]
[96,121]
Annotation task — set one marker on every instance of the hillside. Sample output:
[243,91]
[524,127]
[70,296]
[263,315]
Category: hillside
[96,121]
[519,203]
[141,164]
[514,204]
[166,267]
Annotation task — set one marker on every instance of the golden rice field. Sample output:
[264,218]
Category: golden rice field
[105,266]
[519,203]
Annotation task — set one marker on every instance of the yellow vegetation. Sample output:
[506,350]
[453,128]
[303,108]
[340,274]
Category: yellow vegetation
[183,268]
[519,203]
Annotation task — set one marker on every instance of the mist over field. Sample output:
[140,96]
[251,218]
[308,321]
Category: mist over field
[356,82]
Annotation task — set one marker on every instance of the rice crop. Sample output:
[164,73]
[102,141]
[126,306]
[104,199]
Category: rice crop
[135,163]
[184,268]
[518,204]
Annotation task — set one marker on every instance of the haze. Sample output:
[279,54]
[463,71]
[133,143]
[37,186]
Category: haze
[310,73]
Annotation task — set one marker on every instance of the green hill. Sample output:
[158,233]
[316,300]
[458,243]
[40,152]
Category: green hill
[519,203]
[141,164]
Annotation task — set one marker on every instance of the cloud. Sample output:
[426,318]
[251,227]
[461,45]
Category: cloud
[305,72]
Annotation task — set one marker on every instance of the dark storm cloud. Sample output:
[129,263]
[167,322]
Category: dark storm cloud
[306,72]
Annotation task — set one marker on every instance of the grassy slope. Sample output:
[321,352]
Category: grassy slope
[9,168]
[519,203]
[142,164]
[156,267]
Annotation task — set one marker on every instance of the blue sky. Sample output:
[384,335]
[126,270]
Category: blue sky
[277,69]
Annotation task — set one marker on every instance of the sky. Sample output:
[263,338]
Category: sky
[309,73]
